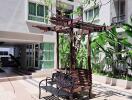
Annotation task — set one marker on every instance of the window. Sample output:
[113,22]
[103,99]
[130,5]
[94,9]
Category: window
[96,12]
[47,56]
[3,52]
[38,12]
[90,14]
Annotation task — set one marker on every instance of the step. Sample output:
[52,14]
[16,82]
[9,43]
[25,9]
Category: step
[23,77]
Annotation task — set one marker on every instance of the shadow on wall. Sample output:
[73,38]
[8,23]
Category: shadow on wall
[32,29]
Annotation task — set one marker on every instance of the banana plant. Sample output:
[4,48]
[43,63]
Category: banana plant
[81,56]
[128,30]
[82,60]
[111,44]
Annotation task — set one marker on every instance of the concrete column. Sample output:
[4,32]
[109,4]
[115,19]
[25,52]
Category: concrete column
[23,56]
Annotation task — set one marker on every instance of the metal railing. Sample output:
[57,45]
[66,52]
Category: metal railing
[118,20]
[71,0]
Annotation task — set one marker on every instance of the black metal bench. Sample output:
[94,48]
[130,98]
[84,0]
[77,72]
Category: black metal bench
[63,82]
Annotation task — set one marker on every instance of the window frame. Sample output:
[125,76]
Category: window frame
[45,20]
[93,15]
[4,53]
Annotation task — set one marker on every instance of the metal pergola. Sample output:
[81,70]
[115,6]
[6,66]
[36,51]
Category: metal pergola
[67,25]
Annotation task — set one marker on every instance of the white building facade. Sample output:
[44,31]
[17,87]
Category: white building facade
[109,12]
[35,47]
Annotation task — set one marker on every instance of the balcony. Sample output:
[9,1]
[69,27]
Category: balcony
[118,20]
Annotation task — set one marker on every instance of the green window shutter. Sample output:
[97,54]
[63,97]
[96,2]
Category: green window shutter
[40,10]
[32,8]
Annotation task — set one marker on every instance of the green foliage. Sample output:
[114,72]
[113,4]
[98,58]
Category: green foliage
[111,45]
[77,11]
[129,78]
[96,68]
[85,3]
[82,60]
[64,51]
[128,29]
[46,2]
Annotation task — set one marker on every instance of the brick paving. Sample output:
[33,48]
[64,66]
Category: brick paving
[28,90]
[106,92]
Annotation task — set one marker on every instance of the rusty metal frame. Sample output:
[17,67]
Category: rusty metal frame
[66,25]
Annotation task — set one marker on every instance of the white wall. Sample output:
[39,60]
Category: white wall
[128,10]
[13,20]
[13,17]
[105,13]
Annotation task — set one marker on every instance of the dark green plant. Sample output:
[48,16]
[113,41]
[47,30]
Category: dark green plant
[82,56]
[64,51]
[95,50]
[110,43]
[82,60]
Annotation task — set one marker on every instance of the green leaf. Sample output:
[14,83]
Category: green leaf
[127,26]
[129,33]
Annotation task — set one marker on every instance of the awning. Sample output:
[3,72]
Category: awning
[17,37]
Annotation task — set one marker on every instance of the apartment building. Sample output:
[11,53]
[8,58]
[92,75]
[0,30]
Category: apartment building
[34,47]
[98,13]
[110,12]
[37,48]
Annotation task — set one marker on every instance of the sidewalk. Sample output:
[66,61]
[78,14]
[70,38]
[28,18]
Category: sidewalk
[28,90]
[107,92]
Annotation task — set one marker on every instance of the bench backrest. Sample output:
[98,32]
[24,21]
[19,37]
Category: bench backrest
[63,80]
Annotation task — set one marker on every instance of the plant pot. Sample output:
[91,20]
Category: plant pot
[102,79]
[113,81]
[108,80]
[121,83]
[129,85]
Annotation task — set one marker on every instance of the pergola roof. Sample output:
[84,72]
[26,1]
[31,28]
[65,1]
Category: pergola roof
[65,24]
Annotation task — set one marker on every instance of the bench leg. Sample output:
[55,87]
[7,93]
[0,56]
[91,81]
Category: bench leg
[71,97]
[39,93]
[90,93]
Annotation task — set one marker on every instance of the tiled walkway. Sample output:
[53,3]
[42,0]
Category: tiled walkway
[28,90]
[106,92]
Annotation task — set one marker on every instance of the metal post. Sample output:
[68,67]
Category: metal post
[57,49]
[72,51]
[89,64]
[71,43]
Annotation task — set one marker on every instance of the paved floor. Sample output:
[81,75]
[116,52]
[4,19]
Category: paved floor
[8,72]
[106,92]
[28,90]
